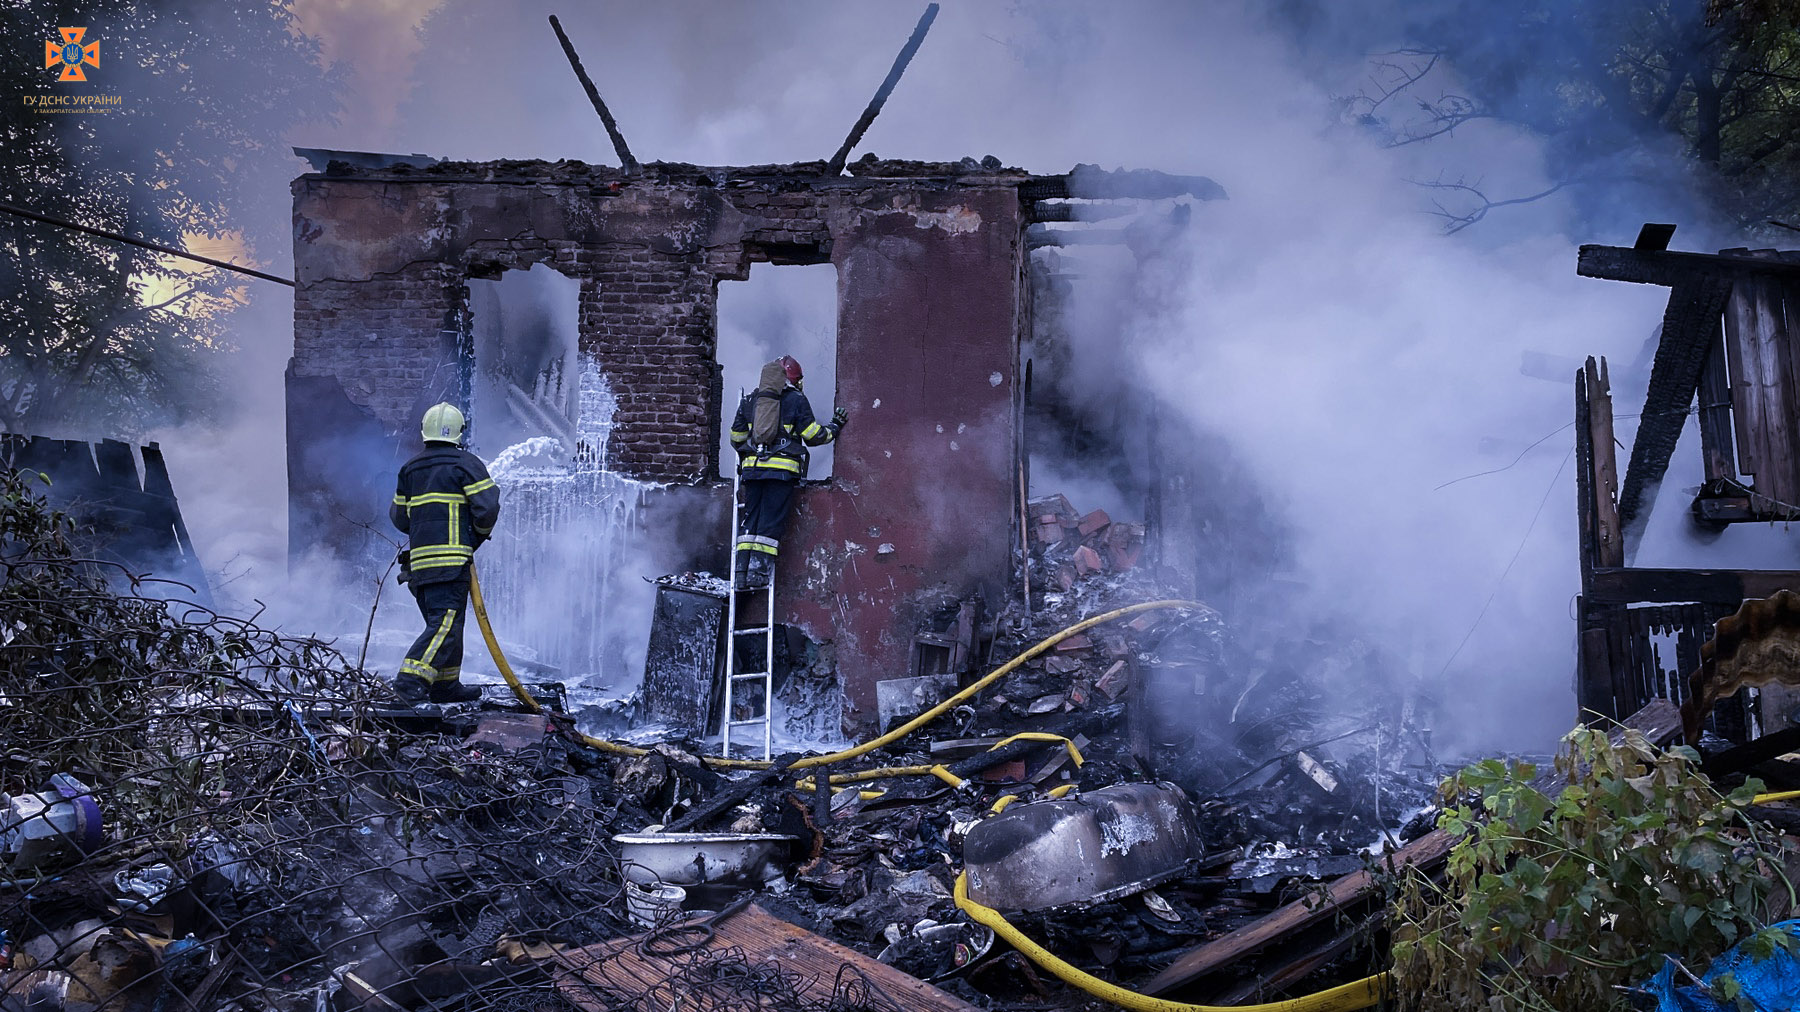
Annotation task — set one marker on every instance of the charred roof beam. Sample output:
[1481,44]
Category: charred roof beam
[836,164]
[626,161]
[1062,211]
[1091,182]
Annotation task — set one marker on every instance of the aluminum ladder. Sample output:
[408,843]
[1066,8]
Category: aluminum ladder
[733,677]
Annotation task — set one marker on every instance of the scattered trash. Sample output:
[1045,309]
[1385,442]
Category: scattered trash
[146,888]
[1094,847]
[653,905]
[695,858]
[35,827]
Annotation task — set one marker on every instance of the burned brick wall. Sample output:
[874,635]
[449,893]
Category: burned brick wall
[930,306]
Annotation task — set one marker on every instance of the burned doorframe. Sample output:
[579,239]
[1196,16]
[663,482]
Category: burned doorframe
[1725,311]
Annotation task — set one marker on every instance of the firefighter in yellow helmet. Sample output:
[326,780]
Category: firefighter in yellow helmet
[446,505]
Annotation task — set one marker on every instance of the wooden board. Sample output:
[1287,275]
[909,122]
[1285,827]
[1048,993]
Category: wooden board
[1763,395]
[1643,585]
[620,971]
[1690,322]
[1660,722]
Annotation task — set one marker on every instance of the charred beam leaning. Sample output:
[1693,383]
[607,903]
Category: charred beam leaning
[836,164]
[626,160]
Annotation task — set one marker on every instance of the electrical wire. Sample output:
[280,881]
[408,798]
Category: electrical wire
[1509,565]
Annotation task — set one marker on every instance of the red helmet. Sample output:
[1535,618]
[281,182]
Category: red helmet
[791,368]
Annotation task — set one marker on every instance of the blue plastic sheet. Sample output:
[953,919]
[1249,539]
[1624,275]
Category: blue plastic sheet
[1769,985]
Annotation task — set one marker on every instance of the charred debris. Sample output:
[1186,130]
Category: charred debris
[204,813]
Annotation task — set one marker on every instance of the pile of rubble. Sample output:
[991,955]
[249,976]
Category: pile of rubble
[202,812]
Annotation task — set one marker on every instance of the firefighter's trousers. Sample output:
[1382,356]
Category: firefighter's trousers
[436,656]
[767,502]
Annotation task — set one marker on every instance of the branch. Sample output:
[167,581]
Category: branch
[1456,221]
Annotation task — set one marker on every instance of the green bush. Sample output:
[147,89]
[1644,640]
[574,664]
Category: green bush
[1565,903]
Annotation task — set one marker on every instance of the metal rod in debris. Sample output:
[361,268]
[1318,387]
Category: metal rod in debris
[143,243]
[612,127]
[836,165]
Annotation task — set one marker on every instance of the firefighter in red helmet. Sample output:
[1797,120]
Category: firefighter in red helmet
[771,432]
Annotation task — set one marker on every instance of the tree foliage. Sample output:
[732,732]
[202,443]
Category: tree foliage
[1559,903]
[98,336]
[1638,99]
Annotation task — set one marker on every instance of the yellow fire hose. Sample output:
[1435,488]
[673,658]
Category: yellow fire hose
[506,671]
[1358,994]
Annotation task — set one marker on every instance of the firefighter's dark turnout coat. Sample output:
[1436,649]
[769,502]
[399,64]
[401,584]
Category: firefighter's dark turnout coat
[785,458]
[447,506]
[770,471]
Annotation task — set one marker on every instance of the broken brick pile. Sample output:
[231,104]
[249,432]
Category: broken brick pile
[1067,546]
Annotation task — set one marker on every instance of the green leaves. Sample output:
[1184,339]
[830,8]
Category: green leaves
[1554,903]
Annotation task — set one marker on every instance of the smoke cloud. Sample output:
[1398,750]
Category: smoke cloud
[1353,358]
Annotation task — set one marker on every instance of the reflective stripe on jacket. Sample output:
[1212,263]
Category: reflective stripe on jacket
[447,506]
[787,457]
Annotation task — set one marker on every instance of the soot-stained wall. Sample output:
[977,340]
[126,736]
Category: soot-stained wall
[930,307]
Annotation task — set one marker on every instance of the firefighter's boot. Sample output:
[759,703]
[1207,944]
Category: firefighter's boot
[453,690]
[761,567]
[412,689]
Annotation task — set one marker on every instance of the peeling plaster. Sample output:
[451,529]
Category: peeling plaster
[955,219]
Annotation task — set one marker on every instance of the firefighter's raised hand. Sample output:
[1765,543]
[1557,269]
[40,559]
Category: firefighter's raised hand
[839,417]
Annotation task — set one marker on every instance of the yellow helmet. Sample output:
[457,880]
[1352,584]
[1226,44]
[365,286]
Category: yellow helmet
[443,424]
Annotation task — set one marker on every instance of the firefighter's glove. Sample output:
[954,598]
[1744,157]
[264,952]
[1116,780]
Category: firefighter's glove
[405,561]
[839,417]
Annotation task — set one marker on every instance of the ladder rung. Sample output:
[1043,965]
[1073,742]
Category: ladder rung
[750,629]
[758,722]
[745,675]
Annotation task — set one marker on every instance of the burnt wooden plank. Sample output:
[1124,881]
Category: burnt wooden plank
[598,977]
[1742,353]
[1754,319]
[1660,721]
[1691,318]
[1715,411]
[1587,523]
[1787,469]
[1598,688]
[1609,543]
[1642,585]
[1626,678]
[1673,267]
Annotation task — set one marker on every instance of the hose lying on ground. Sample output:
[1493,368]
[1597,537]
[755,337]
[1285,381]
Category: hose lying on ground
[525,699]
[1358,994]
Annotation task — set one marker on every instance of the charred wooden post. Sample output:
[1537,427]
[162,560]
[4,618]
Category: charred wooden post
[1593,671]
[626,161]
[1715,413]
[836,164]
[1609,544]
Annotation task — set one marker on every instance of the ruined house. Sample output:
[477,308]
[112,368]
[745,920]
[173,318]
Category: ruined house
[1699,637]
[934,298]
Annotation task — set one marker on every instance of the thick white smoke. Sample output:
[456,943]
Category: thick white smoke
[1355,356]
